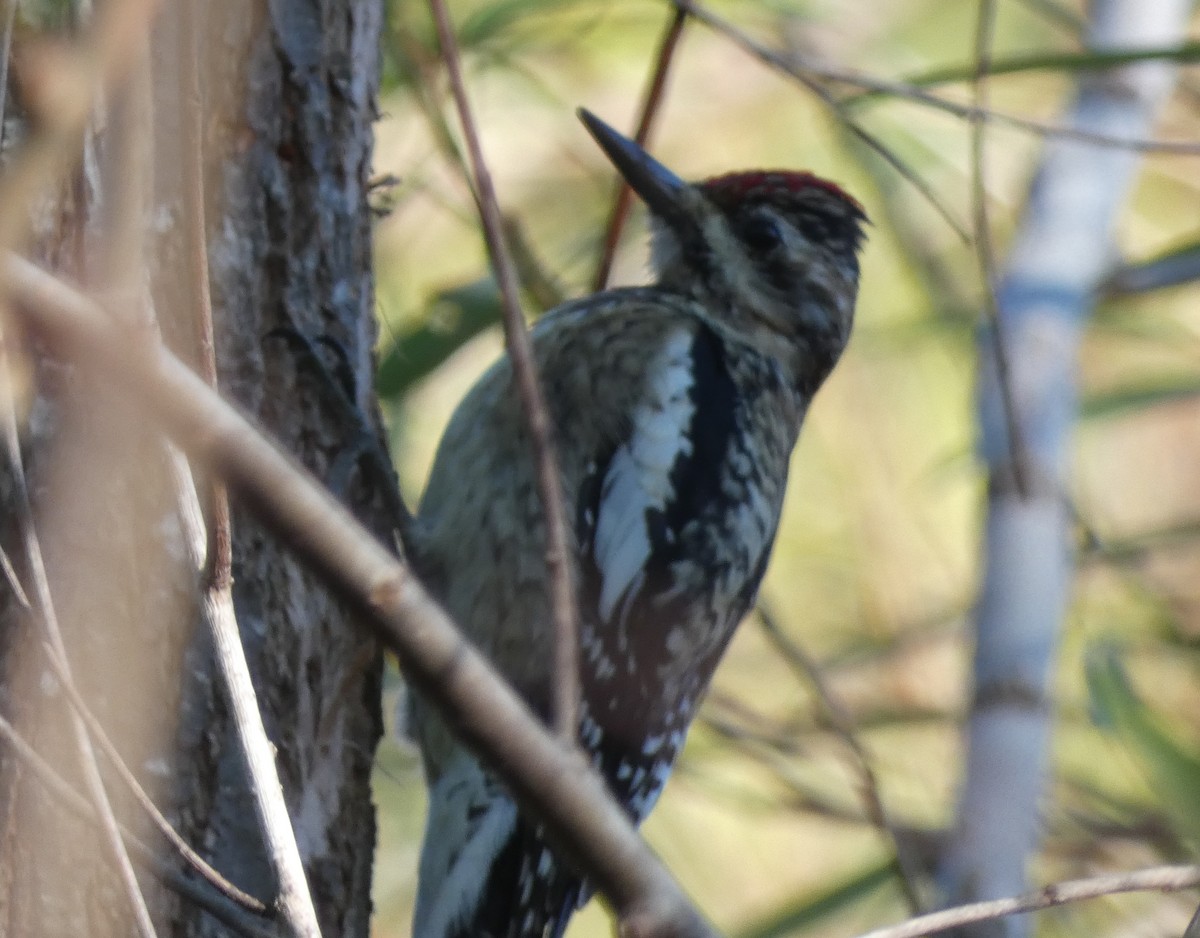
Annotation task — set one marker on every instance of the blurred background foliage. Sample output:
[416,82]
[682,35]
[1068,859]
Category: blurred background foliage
[876,568]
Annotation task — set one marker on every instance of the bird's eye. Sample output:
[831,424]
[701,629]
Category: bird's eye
[762,233]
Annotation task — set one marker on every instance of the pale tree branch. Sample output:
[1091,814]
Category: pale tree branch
[1155,879]
[984,248]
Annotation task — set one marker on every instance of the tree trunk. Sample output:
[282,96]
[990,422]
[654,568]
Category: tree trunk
[288,103]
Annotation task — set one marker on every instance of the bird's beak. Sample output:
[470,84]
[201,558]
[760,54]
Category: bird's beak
[664,193]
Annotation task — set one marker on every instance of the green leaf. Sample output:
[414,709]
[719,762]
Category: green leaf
[1126,400]
[1088,60]
[1173,767]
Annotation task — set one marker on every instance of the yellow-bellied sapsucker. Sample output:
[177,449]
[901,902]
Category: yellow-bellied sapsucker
[675,408]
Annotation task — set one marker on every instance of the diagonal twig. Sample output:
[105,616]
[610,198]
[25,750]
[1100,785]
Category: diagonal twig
[807,70]
[650,108]
[786,62]
[182,847]
[564,611]
[1154,879]
[842,723]
[985,252]
[220,907]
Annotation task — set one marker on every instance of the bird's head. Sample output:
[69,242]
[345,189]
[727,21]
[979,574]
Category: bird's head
[773,255]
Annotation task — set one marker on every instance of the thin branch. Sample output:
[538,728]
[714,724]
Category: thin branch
[14,582]
[182,847]
[985,252]
[1174,267]
[550,781]
[191,116]
[48,618]
[841,722]
[219,906]
[1087,60]
[541,432]
[1154,879]
[806,71]
[807,77]
[801,794]
[295,901]
[650,107]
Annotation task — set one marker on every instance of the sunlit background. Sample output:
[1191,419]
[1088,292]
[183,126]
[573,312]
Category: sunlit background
[876,567]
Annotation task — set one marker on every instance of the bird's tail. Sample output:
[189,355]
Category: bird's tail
[485,872]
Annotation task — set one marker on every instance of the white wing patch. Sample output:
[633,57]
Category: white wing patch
[639,475]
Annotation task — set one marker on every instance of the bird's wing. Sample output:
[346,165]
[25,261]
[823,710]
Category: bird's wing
[637,483]
[640,527]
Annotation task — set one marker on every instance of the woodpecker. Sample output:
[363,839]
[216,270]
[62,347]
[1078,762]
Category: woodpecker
[675,409]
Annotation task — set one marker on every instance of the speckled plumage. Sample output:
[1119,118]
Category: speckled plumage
[675,407]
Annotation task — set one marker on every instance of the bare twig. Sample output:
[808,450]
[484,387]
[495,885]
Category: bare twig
[806,70]
[219,906]
[44,611]
[783,61]
[14,582]
[650,108]
[182,847]
[841,722]
[985,252]
[549,780]
[1154,879]
[541,432]
[295,901]
[191,118]
[1174,267]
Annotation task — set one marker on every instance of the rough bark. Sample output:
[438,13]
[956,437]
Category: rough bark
[293,310]
[289,102]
